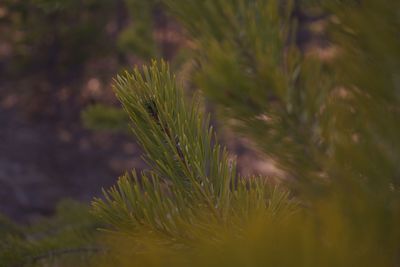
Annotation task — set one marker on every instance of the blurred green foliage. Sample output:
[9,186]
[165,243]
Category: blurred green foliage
[138,36]
[101,117]
[59,35]
[55,35]
[69,237]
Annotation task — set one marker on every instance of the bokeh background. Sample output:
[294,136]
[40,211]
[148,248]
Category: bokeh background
[62,134]
[58,58]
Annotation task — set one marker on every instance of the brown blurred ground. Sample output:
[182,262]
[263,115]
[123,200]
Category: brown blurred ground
[46,154]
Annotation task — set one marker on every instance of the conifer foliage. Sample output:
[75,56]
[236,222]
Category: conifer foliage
[332,126]
[191,175]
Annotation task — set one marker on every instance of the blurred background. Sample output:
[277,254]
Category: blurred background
[57,60]
[62,133]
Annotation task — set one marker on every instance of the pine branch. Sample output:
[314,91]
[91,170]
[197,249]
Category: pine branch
[191,174]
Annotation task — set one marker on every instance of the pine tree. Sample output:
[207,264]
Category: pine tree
[332,126]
